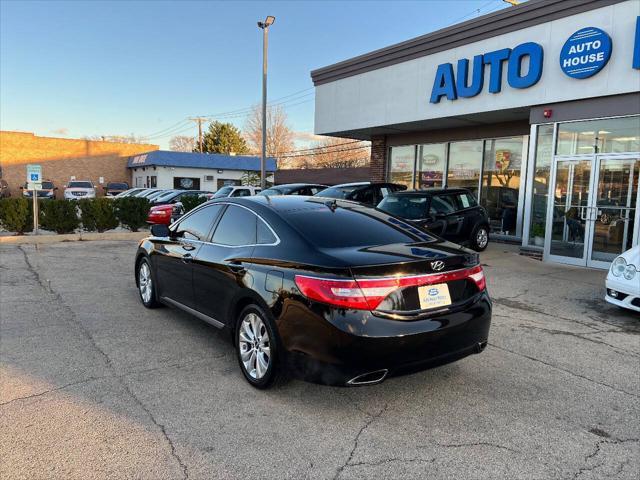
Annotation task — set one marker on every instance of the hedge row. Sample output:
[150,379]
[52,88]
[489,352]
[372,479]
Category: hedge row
[65,216]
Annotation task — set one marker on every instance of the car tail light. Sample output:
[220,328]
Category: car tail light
[368,293]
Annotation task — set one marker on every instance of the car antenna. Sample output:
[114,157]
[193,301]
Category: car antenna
[332,204]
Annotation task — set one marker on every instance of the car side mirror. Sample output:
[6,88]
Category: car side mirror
[159,230]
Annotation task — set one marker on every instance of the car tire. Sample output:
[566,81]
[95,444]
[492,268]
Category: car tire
[257,348]
[479,238]
[146,284]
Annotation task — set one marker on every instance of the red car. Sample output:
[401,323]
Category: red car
[161,214]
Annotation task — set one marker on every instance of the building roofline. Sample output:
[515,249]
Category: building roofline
[533,12]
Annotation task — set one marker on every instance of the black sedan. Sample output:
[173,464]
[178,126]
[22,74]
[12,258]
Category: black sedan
[327,290]
[293,189]
[367,193]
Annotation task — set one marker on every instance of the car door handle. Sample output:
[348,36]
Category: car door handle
[236,266]
[187,258]
[188,247]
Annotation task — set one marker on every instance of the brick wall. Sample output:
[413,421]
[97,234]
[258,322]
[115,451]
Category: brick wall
[62,158]
[377,165]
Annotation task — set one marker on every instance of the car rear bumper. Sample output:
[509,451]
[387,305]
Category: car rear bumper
[322,352]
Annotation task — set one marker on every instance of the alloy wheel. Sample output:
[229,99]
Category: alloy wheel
[255,346]
[482,238]
[144,282]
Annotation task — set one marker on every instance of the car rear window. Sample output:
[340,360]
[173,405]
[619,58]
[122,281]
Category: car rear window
[412,207]
[118,186]
[345,228]
[223,192]
[337,192]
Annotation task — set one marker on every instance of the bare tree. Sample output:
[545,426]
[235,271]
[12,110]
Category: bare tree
[131,138]
[182,143]
[332,152]
[279,135]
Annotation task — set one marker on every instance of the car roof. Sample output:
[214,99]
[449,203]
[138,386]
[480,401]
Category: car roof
[285,203]
[298,185]
[430,191]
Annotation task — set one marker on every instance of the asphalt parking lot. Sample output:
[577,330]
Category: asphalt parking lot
[95,386]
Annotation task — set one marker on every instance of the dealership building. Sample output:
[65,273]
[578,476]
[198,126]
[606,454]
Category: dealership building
[535,108]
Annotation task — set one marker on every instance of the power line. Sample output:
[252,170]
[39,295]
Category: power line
[321,153]
[323,147]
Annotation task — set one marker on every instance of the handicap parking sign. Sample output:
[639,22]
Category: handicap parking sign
[34,173]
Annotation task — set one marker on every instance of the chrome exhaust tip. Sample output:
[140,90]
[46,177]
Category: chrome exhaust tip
[369,378]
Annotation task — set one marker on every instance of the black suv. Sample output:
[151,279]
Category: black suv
[453,214]
[368,193]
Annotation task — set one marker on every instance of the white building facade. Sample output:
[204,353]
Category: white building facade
[535,108]
[196,171]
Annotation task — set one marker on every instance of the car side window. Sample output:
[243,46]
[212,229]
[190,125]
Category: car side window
[197,225]
[241,192]
[264,235]
[466,200]
[315,190]
[442,205]
[237,227]
[364,196]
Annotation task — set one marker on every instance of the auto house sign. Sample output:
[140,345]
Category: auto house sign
[585,53]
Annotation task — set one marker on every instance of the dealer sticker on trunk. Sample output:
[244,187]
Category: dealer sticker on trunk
[432,296]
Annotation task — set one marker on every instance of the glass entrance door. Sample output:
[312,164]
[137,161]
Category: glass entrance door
[593,214]
[568,212]
[614,208]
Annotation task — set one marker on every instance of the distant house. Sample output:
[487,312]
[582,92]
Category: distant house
[199,171]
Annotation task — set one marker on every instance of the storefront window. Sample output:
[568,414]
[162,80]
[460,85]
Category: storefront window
[613,135]
[544,154]
[501,182]
[401,165]
[432,161]
[465,164]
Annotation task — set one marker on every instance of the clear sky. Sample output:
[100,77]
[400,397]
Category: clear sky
[78,68]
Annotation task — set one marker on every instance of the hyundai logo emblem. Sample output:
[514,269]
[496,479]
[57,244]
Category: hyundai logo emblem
[437,265]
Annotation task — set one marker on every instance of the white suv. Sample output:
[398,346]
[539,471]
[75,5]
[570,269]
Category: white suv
[236,191]
[78,189]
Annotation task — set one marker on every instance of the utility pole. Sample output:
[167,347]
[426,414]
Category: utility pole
[199,121]
[265,43]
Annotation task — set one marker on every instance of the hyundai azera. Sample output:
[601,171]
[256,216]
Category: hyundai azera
[327,290]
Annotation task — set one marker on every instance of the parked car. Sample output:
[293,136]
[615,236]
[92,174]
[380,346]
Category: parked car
[77,189]
[363,192]
[4,189]
[332,292]
[623,280]
[309,189]
[236,191]
[115,188]
[48,190]
[167,207]
[164,214]
[174,196]
[132,192]
[453,214]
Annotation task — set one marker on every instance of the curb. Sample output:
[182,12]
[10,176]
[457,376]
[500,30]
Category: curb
[71,237]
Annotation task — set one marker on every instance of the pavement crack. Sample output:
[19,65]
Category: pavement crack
[581,336]
[577,375]
[371,418]
[391,460]
[596,451]
[477,444]
[62,387]
[108,363]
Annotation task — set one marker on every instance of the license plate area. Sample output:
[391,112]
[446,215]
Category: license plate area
[434,296]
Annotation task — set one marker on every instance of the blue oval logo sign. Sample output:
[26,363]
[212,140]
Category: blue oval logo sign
[585,53]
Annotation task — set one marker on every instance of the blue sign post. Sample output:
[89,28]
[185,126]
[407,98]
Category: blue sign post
[585,53]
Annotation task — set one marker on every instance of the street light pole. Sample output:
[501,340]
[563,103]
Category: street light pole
[265,44]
